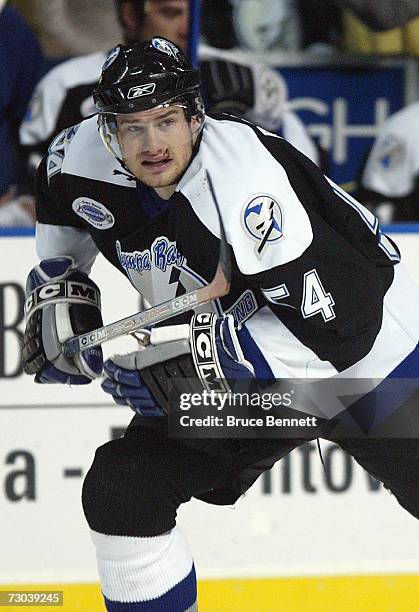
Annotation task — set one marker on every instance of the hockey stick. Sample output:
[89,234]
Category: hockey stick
[218,287]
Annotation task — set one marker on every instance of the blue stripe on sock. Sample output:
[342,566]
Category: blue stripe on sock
[178,599]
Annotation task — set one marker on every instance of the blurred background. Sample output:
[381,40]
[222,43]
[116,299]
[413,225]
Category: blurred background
[339,80]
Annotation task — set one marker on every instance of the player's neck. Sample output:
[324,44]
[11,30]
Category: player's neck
[165,192]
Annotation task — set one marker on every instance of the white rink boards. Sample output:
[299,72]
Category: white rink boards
[299,521]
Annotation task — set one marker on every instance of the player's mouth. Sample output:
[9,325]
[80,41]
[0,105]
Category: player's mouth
[157,165]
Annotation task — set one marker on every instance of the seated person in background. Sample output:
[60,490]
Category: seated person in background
[66,28]
[20,67]
[257,93]
[390,180]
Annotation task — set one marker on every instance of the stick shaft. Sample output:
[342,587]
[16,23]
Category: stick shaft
[218,287]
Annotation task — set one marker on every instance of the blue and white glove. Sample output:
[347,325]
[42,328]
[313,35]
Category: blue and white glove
[207,350]
[61,302]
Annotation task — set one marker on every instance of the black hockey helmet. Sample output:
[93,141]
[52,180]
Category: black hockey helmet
[147,75]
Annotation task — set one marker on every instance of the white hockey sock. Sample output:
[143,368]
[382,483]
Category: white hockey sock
[154,574]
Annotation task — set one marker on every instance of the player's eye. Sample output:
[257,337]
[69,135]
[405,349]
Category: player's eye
[135,129]
[166,123]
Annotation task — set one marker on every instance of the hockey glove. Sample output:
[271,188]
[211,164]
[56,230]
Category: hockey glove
[61,302]
[207,351]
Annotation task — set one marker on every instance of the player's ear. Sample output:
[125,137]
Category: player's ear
[195,123]
[195,127]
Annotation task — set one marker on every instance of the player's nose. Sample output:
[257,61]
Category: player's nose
[152,143]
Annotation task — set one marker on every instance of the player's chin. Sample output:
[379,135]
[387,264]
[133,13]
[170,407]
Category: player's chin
[162,179]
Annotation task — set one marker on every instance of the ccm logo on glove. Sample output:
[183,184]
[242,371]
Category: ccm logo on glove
[62,290]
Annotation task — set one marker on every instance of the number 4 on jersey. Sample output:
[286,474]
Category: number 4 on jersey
[315,299]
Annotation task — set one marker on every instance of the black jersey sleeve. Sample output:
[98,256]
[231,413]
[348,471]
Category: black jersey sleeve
[51,199]
[330,296]
[330,300]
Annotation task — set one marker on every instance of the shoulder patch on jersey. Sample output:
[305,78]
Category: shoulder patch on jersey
[94,213]
[263,221]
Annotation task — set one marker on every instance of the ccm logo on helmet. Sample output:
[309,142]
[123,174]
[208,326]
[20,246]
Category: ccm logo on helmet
[141,90]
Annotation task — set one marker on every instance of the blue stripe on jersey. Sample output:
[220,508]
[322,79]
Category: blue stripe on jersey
[180,598]
[394,391]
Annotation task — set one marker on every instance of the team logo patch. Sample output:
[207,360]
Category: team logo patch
[263,220]
[113,54]
[94,213]
[392,152]
[165,46]
[141,90]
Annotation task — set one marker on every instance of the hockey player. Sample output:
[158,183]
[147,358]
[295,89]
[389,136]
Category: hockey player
[390,181]
[324,292]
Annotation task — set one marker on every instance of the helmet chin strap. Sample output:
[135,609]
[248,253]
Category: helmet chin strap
[130,176]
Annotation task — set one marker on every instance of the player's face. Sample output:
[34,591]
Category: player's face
[157,145]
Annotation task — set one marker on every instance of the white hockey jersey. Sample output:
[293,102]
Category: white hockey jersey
[324,296]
